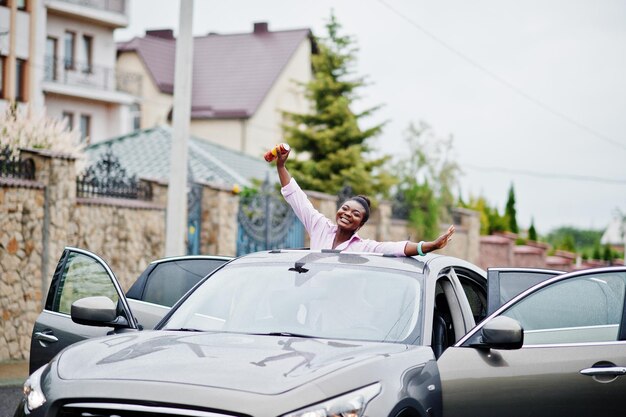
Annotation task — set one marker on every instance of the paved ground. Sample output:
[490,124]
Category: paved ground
[12,377]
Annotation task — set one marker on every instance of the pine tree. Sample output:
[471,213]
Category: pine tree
[510,212]
[332,143]
[532,233]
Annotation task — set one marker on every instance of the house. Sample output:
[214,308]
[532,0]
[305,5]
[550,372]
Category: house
[241,82]
[615,233]
[60,55]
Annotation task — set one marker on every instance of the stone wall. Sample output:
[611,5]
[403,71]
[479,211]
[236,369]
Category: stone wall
[218,233]
[501,251]
[39,218]
[21,208]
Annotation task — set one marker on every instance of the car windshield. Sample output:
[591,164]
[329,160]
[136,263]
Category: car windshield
[318,300]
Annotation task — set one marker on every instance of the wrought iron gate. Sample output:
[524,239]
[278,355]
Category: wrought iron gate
[194,218]
[265,221]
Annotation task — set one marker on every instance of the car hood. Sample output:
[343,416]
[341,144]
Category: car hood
[251,363]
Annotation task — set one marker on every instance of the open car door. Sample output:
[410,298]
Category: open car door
[78,274]
[557,349]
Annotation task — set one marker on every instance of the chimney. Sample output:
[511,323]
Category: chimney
[161,33]
[260,28]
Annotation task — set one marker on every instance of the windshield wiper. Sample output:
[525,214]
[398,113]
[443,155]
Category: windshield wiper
[285,334]
[184,329]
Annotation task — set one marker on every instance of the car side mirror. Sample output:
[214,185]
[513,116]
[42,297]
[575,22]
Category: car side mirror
[502,333]
[97,311]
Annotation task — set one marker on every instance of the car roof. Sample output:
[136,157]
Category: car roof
[302,256]
[188,257]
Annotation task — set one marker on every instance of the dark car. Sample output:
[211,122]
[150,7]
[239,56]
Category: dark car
[157,288]
[301,333]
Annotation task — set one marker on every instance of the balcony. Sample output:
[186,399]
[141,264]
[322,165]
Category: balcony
[90,79]
[112,13]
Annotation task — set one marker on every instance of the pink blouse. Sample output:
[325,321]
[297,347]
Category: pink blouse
[322,230]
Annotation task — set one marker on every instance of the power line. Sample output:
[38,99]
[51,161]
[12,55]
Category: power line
[502,81]
[545,175]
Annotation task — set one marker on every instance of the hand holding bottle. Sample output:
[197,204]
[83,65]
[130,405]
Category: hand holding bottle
[281,148]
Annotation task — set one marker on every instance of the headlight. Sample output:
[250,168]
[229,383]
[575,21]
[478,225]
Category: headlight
[33,394]
[351,404]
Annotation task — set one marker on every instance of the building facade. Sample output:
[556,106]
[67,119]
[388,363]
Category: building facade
[59,55]
[241,83]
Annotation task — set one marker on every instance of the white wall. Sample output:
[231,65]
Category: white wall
[105,121]
[104,49]
[262,131]
[264,128]
[109,112]
[155,106]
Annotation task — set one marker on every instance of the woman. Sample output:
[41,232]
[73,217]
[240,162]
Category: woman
[350,217]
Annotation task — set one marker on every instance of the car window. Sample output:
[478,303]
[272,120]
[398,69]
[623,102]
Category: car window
[329,301]
[580,309]
[82,277]
[169,281]
[476,294]
[514,283]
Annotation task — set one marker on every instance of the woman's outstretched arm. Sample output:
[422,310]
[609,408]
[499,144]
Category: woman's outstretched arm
[411,248]
[283,174]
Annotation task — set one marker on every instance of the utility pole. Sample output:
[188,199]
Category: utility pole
[176,221]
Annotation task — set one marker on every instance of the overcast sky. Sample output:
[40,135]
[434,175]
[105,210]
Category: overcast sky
[533,92]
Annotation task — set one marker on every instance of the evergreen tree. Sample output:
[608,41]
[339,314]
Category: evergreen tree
[596,252]
[510,211]
[490,219]
[532,233]
[331,142]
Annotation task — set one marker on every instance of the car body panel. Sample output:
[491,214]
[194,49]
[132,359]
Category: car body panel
[560,369]
[271,365]
[411,389]
[537,381]
[54,328]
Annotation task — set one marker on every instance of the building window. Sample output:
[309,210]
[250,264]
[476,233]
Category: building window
[88,53]
[135,115]
[69,120]
[70,43]
[51,59]
[85,127]
[20,79]
[4,2]
[21,4]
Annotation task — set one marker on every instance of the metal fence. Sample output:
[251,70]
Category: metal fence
[107,178]
[15,167]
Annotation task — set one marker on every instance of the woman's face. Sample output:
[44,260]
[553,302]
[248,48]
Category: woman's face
[350,216]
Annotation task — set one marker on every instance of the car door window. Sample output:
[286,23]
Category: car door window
[475,292]
[82,277]
[171,280]
[577,310]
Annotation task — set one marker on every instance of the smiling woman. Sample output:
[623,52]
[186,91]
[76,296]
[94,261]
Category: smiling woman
[350,217]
